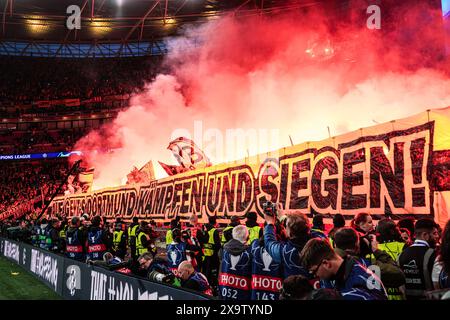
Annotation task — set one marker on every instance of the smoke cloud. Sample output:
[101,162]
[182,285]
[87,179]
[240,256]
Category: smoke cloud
[293,74]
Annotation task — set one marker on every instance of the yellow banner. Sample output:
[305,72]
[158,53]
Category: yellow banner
[397,168]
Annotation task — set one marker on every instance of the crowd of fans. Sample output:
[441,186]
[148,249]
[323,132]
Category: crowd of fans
[72,78]
[24,182]
[289,257]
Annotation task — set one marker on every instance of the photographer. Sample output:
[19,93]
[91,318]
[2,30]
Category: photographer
[176,251]
[286,252]
[98,240]
[264,267]
[346,275]
[235,267]
[156,269]
[194,230]
[75,241]
[347,244]
[113,263]
[52,239]
[190,279]
[299,288]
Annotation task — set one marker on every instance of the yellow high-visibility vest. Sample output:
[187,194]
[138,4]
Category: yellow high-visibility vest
[208,248]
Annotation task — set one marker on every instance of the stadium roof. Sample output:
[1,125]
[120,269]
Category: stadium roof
[120,20]
[28,27]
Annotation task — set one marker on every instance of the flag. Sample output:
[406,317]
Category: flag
[188,155]
[143,175]
[172,170]
[147,171]
[85,180]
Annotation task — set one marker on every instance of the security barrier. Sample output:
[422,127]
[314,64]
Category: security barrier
[75,280]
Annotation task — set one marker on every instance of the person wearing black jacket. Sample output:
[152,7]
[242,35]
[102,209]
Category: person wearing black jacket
[53,241]
[347,243]
[417,260]
[75,241]
[154,268]
[98,241]
[119,240]
[210,240]
[227,233]
[254,229]
[190,279]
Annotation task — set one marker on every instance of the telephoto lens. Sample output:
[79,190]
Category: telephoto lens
[156,276]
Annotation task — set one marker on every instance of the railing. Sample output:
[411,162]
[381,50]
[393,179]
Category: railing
[75,280]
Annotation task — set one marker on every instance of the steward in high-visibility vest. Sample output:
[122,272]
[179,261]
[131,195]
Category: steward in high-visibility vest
[169,237]
[389,238]
[254,229]
[145,240]
[119,241]
[174,224]
[228,230]
[210,241]
[132,232]
[62,234]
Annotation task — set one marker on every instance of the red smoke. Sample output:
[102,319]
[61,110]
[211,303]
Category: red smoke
[298,73]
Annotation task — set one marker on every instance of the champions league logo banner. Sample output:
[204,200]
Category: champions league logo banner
[401,167]
[39,156]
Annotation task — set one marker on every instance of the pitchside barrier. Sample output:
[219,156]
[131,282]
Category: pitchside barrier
[75,280]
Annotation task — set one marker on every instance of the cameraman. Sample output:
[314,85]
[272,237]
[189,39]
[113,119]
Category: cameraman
[286,252]
[156,269]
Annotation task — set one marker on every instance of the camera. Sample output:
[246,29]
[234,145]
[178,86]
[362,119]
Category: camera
[270,208]
[161,277]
